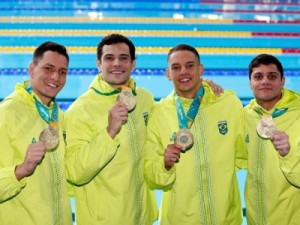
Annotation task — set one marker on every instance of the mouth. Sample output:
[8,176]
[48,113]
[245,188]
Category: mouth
[185,80]
[52,85]
[265,89]
[117,72]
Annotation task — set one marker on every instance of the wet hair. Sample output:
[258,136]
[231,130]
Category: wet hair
[115,39]
[49,46]
[182,47]
[265,59]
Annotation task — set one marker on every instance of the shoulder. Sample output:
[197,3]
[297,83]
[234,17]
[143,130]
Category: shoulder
[227,97]
[230,95]
[164,104]
[143,92]
[11,104]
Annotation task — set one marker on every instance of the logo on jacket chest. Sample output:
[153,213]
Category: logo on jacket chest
[222,126]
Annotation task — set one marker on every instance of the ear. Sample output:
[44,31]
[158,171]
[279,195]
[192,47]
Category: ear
[201,69]
[282,82]
[31,69]
[168,75]
[133,65]
[98,63]
[250,84]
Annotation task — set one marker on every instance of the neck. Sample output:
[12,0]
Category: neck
[190,93]
[187,95]
[43,99]
[268,105]
[46,101]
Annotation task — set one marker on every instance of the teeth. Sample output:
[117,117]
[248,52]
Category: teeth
[52,85]
[185,80]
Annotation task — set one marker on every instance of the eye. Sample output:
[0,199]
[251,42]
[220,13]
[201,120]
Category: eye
[124,57]
[48,69]
[109,58]
[191,65]
[273,76]
[257,76]
[175,67]
[63,72]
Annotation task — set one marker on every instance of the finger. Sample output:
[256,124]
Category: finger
[173,154]
[179,148]
[175,160]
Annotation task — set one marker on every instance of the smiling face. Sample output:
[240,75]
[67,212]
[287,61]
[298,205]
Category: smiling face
[116,64]
[185,71]
[48,75]
[266,83]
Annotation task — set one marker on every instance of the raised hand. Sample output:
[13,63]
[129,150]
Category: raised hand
[117,116]
[281,142]
[172,155]
[217,89]
[34,156]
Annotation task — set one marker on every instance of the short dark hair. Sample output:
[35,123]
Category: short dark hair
[49,46]
[265,59]
[115,39]
[186,47]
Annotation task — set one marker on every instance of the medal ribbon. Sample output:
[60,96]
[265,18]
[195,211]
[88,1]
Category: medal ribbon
[116,91]
[186,121]
[44,110]
[275,113]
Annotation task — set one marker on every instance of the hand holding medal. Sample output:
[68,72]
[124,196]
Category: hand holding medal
[50,135]
[266,126]
[126,96]
[184,138]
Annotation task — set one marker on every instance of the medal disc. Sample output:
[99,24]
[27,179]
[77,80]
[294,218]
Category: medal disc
[50,136]
[184,138]
[265,127]
[127,98]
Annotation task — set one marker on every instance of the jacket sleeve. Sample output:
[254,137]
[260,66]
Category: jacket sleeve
[240,144]
[9,185]
[290,164]
[156,176]
[88,149]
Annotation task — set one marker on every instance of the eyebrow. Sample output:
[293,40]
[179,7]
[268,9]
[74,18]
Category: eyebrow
[189,62]
[51,65]
[110,54]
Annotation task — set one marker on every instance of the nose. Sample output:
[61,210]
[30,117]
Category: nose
[265,80]
[116,62]
[55,75]
[183,70]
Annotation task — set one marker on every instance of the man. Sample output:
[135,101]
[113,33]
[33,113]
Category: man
[273,143]
[194,146]
[104,142]
[33,187]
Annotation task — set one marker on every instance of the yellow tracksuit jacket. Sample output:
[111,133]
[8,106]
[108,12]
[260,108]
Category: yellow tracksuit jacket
[273,182]
[41,198]
[202,187]
[108,173]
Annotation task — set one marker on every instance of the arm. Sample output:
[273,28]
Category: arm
[9,184]
[240,145]
[159,168]
[89,147]
[217,89]
[289,156]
